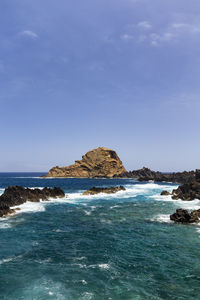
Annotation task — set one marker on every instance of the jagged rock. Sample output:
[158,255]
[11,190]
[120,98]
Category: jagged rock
[100,162]
[188,191]
[183,216]
[17,195]
[145,174]
[165,193]
[110,190]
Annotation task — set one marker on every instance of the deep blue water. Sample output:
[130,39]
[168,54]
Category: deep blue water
[119,246]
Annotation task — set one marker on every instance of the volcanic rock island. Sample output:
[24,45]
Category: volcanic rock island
[100,162]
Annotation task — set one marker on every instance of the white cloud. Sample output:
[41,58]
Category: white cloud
[29,33]
[178,25]
[144,25]
[186,27]
[126,37]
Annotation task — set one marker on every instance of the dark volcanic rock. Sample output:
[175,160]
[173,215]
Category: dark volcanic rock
[165,193]
[146,174]
[188,191]
[110,190]
[17,195]
[183,216]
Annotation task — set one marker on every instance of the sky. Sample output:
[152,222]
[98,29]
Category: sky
[76,75]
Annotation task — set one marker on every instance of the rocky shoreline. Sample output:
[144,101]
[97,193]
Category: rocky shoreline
[17,195]
[145,174]
[188,191]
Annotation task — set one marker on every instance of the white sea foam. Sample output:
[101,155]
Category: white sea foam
[87,296]
[132,190]
[197,227]
[158,197]
[104,266]
[1,191]
[161,218]
[5,225]
[8,259]
[88,213]
[5,260]
[194,204]
[30,207]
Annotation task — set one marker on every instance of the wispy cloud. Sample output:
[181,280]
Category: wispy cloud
[126,37]
[186,27]
[174,32]
[146,32]
[144,25]
[29,34]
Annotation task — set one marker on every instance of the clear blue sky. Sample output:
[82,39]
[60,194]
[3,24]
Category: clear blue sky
[75,75]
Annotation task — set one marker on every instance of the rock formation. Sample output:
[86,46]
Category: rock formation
[100,162]
[17,195]
[146,174]
[184,217]
[188,191]
[110,190]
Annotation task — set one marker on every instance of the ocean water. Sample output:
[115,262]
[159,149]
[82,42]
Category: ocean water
[120,246]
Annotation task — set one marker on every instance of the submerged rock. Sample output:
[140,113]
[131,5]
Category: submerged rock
[183,216]
[165,193]
[17,195]
[110,190]
[100,162]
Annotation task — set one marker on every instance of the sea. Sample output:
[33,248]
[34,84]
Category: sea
[101,247]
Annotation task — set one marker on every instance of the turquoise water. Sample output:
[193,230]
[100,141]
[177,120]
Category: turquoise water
[119,246]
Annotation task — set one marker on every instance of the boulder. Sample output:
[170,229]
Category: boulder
[165,193]
[187,191]
[184,217]
[109,190]
[100,162]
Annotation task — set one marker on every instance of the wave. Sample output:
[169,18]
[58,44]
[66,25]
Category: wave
[9,259]
[4,224]
[2,191]
[5,260]
[29,207]
[194,204]
[161,218]
[132,191]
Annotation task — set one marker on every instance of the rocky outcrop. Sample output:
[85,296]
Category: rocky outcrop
[100,162]
[188,191]
[184,217]
[146,174]
[17,195]
[110,190]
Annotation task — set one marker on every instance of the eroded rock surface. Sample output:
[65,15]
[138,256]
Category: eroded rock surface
[100,162]
[188,191]
[109,190]
[17,195]
[184,217]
